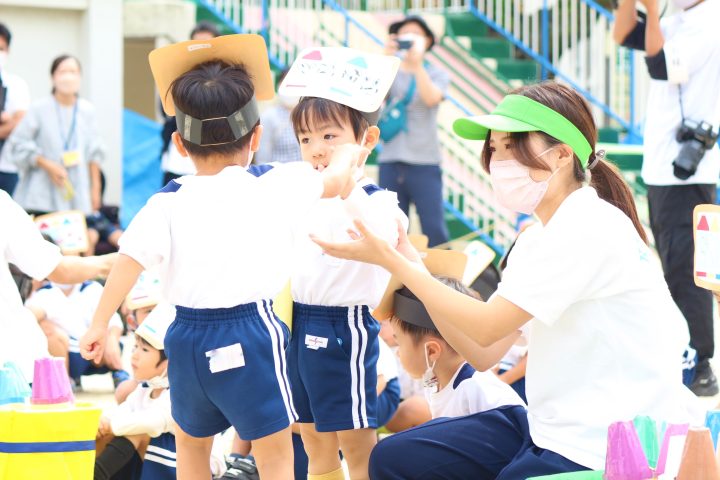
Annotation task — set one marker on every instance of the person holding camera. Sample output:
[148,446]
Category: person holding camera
[681,159]
[410,156]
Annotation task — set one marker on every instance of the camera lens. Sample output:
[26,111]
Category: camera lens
[685,165]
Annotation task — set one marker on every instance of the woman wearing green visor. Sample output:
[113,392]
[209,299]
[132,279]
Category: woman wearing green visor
[607,339]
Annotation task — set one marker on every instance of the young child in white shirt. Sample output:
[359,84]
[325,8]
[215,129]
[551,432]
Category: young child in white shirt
[452,387]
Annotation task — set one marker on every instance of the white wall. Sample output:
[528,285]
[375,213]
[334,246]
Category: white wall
[90,30]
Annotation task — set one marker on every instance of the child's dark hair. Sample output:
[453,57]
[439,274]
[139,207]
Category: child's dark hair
[212,90]
[144,342]
[5,33]
[205,27]
[416,332]
[313,112]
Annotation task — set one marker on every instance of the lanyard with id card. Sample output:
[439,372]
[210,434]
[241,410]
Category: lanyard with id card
[71,153]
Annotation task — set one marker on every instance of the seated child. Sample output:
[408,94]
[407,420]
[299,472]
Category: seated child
[388,388]
[333,352]
[65,312]
[223,241]
[143,423]
[453,388]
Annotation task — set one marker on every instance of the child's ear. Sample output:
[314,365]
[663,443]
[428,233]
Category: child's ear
[372,137]
[255,140]
[177,141]
[434,349]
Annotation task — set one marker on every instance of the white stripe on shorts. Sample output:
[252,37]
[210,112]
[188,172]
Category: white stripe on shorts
[357,367]
[280,372]
[361,363]
[149,457]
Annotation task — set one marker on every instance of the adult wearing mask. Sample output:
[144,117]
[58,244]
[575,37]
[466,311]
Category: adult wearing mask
[57,148]
[681,159]
[410,161]
[14,101]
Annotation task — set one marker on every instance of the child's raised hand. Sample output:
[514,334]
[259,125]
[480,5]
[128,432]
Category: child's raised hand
[92,344]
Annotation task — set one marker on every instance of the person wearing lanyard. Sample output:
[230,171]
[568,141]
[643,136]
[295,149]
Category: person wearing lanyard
[57,149]
[607,338]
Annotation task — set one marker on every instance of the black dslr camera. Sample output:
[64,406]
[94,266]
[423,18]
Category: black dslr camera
[695,138]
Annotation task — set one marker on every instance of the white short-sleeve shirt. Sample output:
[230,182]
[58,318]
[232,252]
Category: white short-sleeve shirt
[692,52]
[318,278]
[226,239]
[22,245]
[470,391]
[607,338]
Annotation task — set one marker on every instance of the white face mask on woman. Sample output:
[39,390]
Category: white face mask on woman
[67,83]
[514,187]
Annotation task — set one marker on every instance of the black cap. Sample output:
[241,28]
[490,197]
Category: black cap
[415,19]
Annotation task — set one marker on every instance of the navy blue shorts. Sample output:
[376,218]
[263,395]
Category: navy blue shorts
[80,367]
[332,362]
[494,444]
[388,402]
[227,367]
[160,462]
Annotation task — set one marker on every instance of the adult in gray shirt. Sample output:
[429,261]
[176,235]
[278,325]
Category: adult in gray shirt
[57,149]
[410,161]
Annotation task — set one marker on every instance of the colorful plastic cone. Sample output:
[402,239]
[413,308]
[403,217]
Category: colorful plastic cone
[50,382]
[670,430]
[698,460]
[13,386]
[712,421]
[625,457]
[646,429]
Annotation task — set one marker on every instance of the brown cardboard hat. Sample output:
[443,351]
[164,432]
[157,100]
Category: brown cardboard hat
[447,263]
[168,63]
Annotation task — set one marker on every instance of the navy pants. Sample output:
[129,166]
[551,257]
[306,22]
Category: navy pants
[8,182]
[421,185]
[495,444]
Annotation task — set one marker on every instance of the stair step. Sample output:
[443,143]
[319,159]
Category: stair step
[491,47]
[525,70]
[466,24]
[608,135]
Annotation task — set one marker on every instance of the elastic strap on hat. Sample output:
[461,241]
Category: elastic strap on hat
[240,122]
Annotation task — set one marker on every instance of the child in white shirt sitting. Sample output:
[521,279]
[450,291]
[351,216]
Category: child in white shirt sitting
[452,387]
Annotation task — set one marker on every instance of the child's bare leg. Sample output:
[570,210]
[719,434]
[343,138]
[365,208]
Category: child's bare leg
[322,449]
[193,456]
[356,446]
[411,412]
[274,455]
[240,446]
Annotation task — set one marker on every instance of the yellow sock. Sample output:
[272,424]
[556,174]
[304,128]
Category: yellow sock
[334,475]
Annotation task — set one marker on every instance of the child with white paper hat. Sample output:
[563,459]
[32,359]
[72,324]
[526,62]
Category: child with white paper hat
[333,352]
[222,239]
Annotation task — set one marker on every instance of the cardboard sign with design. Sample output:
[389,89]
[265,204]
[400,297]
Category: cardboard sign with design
[706,231]
[146,292]
[350,77]
[67,229]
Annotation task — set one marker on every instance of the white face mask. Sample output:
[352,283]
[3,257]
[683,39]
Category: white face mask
[161,381]
[514,188]
[67,83]
[3,59]
[430,381]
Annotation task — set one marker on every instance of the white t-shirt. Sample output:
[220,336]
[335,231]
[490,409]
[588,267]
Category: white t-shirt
[17,100]
[21,339]
[607,339]
[470,391]
[319,279]
[73,312]
[226,239]
[386,365]
[692,50]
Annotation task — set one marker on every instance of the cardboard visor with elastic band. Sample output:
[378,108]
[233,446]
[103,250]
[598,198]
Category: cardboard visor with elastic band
[446,263]
[517,113]
[170,62]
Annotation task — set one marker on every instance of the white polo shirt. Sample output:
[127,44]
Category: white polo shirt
[17,100]
[319,279]
[225,239]
[21,339]
[470,391]
[692,52]
[607,339]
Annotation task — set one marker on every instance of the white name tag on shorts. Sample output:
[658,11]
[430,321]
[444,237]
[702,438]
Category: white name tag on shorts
[226,358]
[314,342]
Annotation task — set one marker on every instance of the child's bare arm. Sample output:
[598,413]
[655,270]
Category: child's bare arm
[515,373]
[122,277]
[78,269]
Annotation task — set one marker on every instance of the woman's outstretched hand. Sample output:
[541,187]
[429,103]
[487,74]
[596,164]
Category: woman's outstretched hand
[365,247]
